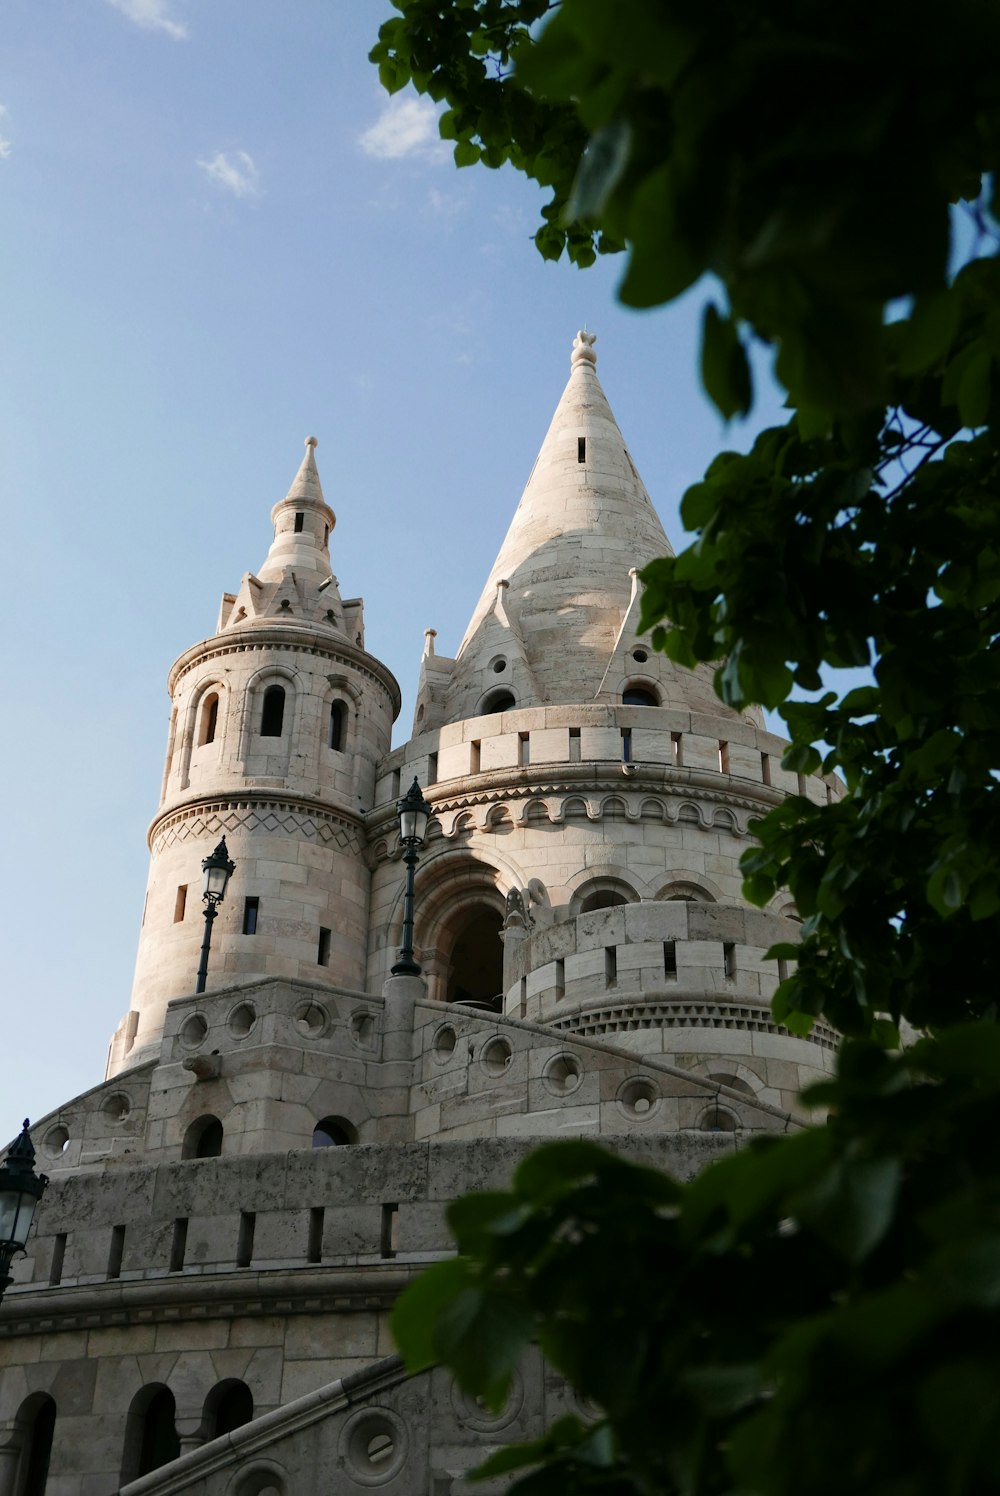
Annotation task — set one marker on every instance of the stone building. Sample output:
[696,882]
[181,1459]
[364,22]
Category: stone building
[233,1210]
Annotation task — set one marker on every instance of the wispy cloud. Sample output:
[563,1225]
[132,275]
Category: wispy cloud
[153,15]
[5,144]
[233,171]
[406,127]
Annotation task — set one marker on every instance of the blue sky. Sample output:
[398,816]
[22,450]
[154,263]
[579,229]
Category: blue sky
[218,236]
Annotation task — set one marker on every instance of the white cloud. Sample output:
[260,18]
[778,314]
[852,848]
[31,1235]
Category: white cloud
[5,144]
[234,171]
[407,126]
[153,15]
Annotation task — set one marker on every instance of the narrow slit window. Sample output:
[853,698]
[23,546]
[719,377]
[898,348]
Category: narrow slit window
[209,719]
[244,1242]
[574,745]
[729,956]
[524,749]
[178,1244]
[58,1257]
[300,520]
[829,794]
[626,745]
[338,724]
[432,768]
[560,978]
[670,960]
[522,995]
[314,1251]
[116,1251]
[723,758]
[251,910]
[765,768]
[475,755]
[581,449]
[610,966]
[272,716]
[677,748]
[394,785]
[180,903]
[390,1216]
[323,952]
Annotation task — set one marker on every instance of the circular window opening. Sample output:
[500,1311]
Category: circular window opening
[499,666]
[640,656]
[563,1074]
[444,1042]
[334,1132]
[242,1020]
[638,1098]
[193,1030]
[717,1120]
[56,1141]
[500,701]
[311,1019]
[117,1107]
[639,696]
[376,1448]
[497,1056]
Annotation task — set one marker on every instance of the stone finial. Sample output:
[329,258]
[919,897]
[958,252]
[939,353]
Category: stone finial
[429,636]
[583,350]
[311,441]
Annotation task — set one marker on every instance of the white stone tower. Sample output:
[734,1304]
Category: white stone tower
[277,723]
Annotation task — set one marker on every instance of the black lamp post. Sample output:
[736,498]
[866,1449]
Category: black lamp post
[218,870]
[413,811]
[20,1191]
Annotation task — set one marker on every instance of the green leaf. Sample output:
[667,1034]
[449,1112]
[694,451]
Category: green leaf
[930,330]
[416,1311]
[601,168]
[851,1204]
[725,370]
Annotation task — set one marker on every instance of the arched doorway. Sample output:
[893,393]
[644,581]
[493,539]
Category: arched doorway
[475,967]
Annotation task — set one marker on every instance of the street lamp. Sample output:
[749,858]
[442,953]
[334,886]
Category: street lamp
[20,1191]
[218,870]
[413,811]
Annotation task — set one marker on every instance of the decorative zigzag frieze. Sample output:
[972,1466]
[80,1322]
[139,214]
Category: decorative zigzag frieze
[271,819]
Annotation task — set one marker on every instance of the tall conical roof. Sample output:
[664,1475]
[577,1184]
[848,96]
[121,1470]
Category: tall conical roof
[302,524]
[561,588]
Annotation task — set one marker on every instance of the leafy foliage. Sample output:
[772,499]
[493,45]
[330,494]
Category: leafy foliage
[822,1310]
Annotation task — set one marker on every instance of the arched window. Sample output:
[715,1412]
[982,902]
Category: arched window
[203,1138]
[338,726]
[333,1132]
[150,1435]
[639,696]
[500,701]
[605,892]
[229,1405]
[717,1120]
[272,714]
[209,719]
[35,1424]
[475,973]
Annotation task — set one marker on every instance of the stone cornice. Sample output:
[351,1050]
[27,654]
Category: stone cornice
[511,786]
[260,801]
[292,636]
[185,1297]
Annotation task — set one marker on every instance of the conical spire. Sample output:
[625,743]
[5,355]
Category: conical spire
[302,524]
[584,522]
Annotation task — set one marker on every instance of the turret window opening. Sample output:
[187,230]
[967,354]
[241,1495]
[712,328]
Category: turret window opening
[150,1433]
[581,449]
[334,1132]
[639,696]
[272,714]
[323,953]
[499,701]
[299,521]
[251,909]
[338,726]
[227,1406]
[475,972]
[203,1139]
[209,719]
[35,1423]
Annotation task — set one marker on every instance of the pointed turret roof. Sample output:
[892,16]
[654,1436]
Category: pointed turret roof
[301,545]
[552,617]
